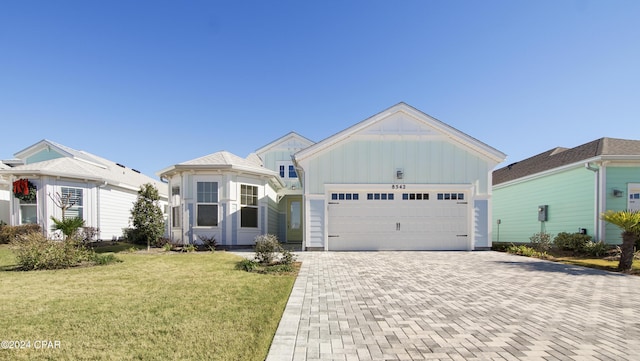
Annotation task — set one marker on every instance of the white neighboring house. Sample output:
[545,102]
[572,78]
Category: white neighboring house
[103,191]
[5,187]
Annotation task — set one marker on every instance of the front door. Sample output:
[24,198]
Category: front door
[294,219]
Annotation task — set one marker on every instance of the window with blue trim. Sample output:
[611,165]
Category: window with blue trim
[380,196]
[344,196]
[451,196]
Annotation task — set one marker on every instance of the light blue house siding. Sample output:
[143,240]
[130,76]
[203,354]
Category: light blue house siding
[379,185]
[43,155]
[569,195]
[277,156]
[618,178]
[375,161]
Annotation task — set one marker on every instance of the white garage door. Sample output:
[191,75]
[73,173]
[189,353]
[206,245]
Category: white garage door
[398,221]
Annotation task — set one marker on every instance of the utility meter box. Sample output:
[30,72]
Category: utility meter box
[543,211]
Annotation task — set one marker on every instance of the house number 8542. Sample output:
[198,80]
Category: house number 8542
[398,186]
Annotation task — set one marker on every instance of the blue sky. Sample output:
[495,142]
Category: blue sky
[153,83]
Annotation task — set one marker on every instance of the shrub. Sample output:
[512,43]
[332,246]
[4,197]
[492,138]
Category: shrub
[267,247]
[167,246]
[146,215]
[247,265]
[595,249]
[541,241]
[68,226]
[524,250]
[189,248]
[287,257]
[574,242]
[10,233]
[88,234]
[34,251]
[134,236]
[161,242]
[208,242]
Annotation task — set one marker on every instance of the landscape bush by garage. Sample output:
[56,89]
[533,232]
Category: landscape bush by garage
[573,242]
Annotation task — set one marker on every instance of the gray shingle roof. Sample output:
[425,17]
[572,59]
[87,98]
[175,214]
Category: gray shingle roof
[88,167]
[558,157]
[222,160]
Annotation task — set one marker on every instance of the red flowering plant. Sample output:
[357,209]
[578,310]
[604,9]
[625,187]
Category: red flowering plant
[24,190]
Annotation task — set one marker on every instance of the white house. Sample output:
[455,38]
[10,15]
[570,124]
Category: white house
[4,197]
[103,192]
[400,180]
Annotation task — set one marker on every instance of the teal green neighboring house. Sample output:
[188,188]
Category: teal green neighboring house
[566,190]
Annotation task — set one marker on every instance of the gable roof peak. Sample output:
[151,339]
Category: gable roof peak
[434,126]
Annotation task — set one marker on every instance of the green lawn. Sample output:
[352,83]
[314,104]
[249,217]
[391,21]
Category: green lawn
[165,306]
[598,263]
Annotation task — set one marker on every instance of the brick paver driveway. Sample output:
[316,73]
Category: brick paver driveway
[456,305]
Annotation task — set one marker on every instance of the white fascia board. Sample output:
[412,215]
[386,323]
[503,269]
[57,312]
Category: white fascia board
[169,171]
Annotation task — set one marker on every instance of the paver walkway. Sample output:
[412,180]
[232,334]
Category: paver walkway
[456,306]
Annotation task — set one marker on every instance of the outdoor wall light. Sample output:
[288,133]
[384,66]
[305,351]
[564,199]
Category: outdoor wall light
[617,193]
[399,174]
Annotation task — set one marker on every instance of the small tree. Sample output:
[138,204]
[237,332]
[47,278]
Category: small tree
[146,215]
[68,226]
[629,223]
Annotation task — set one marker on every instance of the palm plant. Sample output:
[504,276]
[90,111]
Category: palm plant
[68,226]
[629,223]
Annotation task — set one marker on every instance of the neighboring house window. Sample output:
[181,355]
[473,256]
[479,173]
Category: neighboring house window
[249,206]
[292,172]
[287,170]
[176,216]
[74,197]
[207,204]
[28,212]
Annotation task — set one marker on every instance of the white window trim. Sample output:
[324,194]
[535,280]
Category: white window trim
[197,204]
[286,165]
[76,206]
[256,206]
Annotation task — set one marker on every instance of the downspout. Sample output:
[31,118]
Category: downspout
[597,204]
[301,179]
[99,208]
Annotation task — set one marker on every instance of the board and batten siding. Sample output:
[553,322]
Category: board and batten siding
[481,223]
[570,196]
[316,223]
[376,160]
